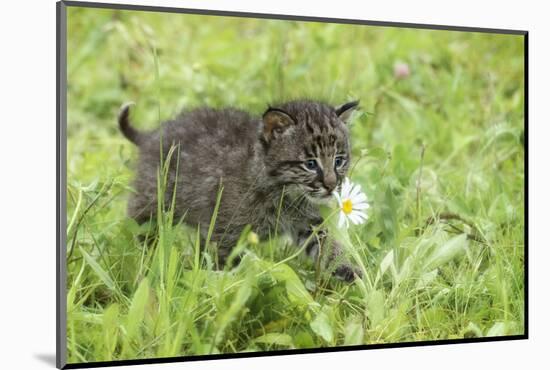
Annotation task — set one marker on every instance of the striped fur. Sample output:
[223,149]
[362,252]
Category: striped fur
[297,152]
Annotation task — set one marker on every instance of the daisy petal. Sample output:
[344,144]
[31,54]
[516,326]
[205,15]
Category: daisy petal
[361,198]
[352,190]
[350,186]
[341,220]
[355,201]
[338,199]
[345,188]
[354,219]
[355,191]
[361,206]
[361,215]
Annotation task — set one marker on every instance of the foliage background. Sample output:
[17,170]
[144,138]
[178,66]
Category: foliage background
[444,245]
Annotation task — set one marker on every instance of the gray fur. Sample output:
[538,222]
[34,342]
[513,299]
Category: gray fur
[258,161]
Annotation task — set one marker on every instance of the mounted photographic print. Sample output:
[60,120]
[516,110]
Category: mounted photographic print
[234,184]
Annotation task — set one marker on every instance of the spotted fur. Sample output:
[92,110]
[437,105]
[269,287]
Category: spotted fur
[297,153]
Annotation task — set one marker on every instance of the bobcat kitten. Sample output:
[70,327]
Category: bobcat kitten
[296,155]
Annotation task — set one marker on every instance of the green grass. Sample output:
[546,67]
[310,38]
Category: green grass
[442,251]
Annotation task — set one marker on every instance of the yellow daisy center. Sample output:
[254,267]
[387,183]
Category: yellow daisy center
[347,206]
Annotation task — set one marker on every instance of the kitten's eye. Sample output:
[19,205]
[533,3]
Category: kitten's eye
[339,161]
[311,164]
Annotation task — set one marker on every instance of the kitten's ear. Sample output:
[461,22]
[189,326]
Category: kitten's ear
[276,121]
[344,111]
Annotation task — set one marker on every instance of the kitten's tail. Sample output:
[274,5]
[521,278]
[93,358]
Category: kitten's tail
[130,132]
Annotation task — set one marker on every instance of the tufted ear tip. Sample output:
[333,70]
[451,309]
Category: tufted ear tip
[345,110]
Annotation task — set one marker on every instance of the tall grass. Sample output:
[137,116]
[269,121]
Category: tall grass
[439,155]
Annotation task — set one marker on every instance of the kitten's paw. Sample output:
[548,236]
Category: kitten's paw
[348,273]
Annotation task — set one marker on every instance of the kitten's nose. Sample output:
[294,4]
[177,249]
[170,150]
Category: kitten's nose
[329,181]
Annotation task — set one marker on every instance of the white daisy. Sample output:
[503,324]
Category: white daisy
[352,203]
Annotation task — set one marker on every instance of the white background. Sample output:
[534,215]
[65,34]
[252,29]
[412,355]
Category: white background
[27,182]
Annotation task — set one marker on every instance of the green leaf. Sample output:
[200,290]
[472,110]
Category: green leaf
[375,308]
[446,251]
[388,215]
[304,340]
[353,332]
[238,302]
[70,298]
[297,292]
[137,309]
[386,262]
[397,323]
[110,325]
[472,331]
[426,279]
[502,209]
[102,274]
[279,339]
[110,316]
[321,326]
[497,330]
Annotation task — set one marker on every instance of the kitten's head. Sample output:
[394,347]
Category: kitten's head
[307,146]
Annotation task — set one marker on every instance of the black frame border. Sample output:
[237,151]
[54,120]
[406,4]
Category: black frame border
[61,181]
[61,186]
